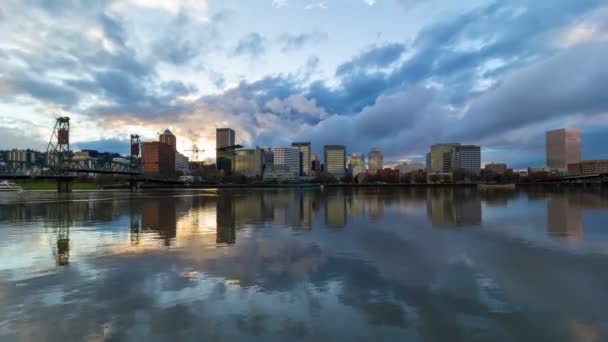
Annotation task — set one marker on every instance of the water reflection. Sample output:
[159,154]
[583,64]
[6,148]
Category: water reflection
[271,265]
[454,207]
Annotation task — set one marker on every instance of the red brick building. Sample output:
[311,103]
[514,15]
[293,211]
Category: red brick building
[388,175]
[157,158]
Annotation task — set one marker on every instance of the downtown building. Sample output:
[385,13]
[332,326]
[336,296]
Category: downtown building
[249,162]
[450,157]
[225,150]
[563,148]
[375,161]
[335,160]
[159,157]
[286,165]
[356,164]
[304,148]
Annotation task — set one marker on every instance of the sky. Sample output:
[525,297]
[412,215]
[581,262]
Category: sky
[394,74]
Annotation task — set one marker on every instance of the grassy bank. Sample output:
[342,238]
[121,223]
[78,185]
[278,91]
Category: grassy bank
[50,185]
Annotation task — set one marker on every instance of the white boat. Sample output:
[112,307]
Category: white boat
[8,186]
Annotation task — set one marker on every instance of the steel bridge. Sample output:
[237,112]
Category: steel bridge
[60,163]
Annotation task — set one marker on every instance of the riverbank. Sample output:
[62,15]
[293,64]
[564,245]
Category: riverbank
[50,185]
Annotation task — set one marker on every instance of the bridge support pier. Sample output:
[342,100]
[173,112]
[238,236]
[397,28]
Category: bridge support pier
[133,185]
[64,185]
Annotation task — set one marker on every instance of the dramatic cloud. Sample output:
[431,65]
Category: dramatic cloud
[496,73]
[252,45]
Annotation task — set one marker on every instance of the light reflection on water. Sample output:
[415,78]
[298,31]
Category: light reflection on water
[339,264]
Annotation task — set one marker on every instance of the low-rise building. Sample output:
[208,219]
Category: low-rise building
[405,168]
[181,163]
[588,167]
[497,168]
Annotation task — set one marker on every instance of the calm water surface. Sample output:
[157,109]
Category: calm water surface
[310,265]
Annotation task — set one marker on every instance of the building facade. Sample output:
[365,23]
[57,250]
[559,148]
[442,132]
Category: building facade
[588,167]
[24,157]
[356,163]
[224,137]
[168,138]
[182,163]
[466,158]
[287,159]
[563,148]
[440,157]
[375,161]
[304,148]
[225,150]
[496,168]
[405,168]
[249,162]
[157,158]
[335,160]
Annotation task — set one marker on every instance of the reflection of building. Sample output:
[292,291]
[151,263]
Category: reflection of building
[157,158]
[588,167]
[226,225]
[563,148]
[159,215]
[335,160]
[564,219]
[335,210]
[453,207]
[304,148]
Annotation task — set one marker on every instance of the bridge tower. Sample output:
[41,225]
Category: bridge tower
[58,150]
[135,159]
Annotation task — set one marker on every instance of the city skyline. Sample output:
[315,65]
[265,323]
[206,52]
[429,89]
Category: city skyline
[478,72]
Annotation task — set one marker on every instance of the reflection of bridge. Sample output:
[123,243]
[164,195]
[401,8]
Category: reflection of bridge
[60,164]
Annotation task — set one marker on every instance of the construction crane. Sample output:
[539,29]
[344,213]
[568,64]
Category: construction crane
[195,151]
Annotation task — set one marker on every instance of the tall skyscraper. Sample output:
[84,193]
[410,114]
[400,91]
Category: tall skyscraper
[304,148]
[224,150]
[335,160]
[168,138]
[375,161]
[563,148]
[224,137]
[440,158]
[287,159]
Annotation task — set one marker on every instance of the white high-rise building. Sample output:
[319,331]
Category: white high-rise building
[287,159]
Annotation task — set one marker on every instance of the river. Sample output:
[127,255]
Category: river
[419,264]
